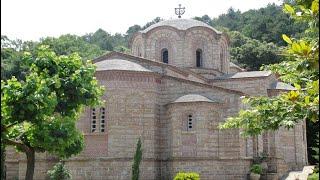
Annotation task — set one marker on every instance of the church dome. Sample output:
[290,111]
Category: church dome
[180,24]
[186,43]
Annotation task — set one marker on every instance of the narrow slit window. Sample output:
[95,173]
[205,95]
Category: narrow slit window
[102,119]
[165,55]
[199,58]
[190,122]
[93,120]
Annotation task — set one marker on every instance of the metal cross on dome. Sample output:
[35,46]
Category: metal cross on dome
[179,11]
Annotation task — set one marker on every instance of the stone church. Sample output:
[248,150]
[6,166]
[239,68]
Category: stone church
[172,91]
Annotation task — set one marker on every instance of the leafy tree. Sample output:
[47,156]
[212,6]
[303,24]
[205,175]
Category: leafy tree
[131,30]
[136,161]
[118,40]
[11,64]
[135,28]
[265,24]
[122,49]
[100,38]
[205,18]
[68,44]
[253,54]
[301,69]
[231,20]
[249,53]
[11,55]
[40,113]
[237,39]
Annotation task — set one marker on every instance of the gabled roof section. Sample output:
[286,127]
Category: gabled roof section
[249,74]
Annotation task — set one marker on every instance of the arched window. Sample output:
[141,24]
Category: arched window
[199,58]
[190,122]
[165,55]
[139,51]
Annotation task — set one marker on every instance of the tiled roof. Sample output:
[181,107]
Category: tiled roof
[120,64]
[194,98]
[248,74]
[102,65]
[281,86]
[181,24]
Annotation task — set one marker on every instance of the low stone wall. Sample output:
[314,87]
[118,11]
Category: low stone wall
[150,169]
[12,169]
[41,168]
[111,168]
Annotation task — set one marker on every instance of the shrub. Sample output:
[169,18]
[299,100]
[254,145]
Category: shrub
[187,176]
[256,168]
[59,172]
[313,176]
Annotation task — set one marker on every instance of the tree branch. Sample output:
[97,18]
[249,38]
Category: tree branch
[24,147]
[5,128]
[10,125]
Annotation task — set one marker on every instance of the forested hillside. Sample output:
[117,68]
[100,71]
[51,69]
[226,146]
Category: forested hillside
[265,24]
[255,39]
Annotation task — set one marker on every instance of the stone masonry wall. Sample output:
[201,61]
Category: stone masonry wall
[139,105]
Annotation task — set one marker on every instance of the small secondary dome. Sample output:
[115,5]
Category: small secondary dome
[194,98]
[180,24]
[119,64]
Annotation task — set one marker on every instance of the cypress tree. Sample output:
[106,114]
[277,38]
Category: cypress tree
[136,161]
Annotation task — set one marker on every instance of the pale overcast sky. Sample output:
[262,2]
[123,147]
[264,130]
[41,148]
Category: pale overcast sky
[33,19]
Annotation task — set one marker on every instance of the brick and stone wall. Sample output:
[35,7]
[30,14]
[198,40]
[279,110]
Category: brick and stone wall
[141,104]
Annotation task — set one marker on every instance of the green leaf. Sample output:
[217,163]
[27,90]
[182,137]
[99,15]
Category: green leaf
[286,39]
[315,7]
[288,8]
[297,86]
[307,99]
[296,47]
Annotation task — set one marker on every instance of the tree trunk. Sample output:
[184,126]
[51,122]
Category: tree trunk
[30,163]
